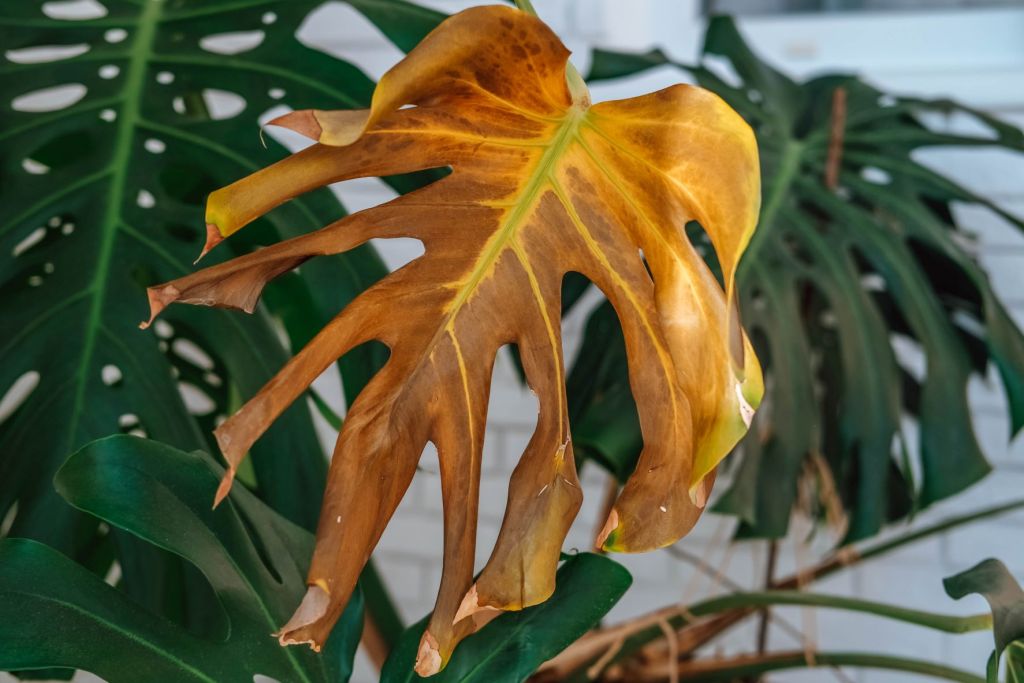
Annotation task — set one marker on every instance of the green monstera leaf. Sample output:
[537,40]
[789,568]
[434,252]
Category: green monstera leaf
[837,270]
[515,644]
[254,560]
[994,582]
[114,126]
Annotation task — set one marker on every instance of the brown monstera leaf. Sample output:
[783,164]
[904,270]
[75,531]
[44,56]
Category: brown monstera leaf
[542,183]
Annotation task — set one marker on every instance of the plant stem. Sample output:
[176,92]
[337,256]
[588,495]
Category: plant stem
[577,86]
[940,622]
[638,632]
[769,579]
[731,669]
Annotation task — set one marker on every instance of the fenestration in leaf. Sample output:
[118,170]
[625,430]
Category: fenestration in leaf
[542,184]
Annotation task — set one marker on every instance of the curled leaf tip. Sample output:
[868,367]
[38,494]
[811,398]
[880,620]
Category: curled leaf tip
[302,122]
[428,658]
[312,608]
[606,539]
[159,298]
[213,238]
[225,487]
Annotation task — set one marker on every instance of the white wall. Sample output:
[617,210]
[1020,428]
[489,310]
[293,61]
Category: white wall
[975,56]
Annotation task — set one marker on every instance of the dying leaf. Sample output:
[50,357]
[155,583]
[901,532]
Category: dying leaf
[542,184]
[832,281]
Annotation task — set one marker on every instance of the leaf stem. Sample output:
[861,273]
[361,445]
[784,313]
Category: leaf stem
[577,86]
[747,666]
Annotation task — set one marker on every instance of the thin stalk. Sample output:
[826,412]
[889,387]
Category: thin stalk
[941,622]
[769,579]
[638,632]
[752,666]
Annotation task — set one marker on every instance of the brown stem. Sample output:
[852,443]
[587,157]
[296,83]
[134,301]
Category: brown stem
[769,579]
[835,139]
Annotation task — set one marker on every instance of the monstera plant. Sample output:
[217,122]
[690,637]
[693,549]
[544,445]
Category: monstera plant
[543,183]
[120,118]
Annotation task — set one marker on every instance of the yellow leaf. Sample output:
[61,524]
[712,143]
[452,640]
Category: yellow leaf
[542,183]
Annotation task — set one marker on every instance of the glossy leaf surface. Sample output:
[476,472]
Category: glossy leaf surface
[105,194]
[543,184]
[55,613]
[513,646]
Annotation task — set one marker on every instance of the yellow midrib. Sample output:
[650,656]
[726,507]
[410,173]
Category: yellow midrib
[498,241]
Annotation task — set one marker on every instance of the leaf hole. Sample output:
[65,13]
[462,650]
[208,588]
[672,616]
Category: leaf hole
[40,54]
[145,199]
[276,93]
[33,167]
[111,375]
[30,240]
[74,10]
[50,99]
[222,104]
[233,43]
[163,329]
[115,35]
[127,421]
[155,146]
[17,394]
[268,18]
[187,350]
[165,78]
[196,400]
[109,71]
[108,115]
[8,521]
[875,175]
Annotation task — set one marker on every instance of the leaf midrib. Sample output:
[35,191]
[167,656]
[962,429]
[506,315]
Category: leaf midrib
[134,84]
[129,120]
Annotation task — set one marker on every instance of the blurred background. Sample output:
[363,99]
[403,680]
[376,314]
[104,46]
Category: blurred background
[971,50]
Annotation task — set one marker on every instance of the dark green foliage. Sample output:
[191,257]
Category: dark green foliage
[511,647]
[834,386]
[54,613]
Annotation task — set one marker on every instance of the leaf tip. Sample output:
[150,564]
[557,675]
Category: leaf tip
[312,608]
[428,657]
[159,298]
[303,122]
[213,238]
[609,535]
[225,487]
